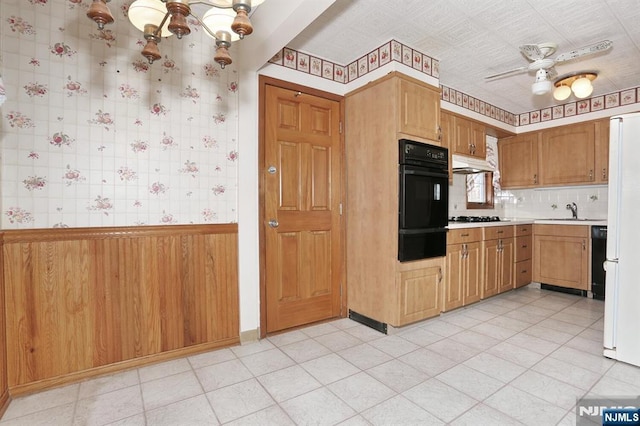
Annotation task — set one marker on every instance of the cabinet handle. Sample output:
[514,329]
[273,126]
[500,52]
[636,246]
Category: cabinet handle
[524,271]
[604,173]
[524,246]
[591,174]
[525,229]
[584,245]
[439,133]
[439,275]
[500,232]
[464,235]
[535,178]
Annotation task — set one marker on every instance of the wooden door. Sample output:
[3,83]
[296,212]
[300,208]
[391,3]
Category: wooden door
[518,156]
[567,155]
[491,268]
[302,191]
[505,279]
[419,292]
[419,110]
[473,279]
[561,261]
[602,151]
[456,263]
[463,140]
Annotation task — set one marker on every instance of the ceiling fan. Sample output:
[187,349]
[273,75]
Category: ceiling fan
[544,66]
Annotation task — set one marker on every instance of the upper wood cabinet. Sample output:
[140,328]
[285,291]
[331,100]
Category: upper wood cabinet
[469,138]
[576,154]
[448,137]
[518,158]
[419,110]
[602,151]
[567,155]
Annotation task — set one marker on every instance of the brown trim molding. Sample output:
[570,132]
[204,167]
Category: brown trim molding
[65,234]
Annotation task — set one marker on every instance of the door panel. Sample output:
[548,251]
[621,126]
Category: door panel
[303,255]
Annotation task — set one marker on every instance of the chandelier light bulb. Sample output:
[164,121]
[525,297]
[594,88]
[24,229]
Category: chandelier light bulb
[217,20]
[562,92]
[582,87]
[143,12]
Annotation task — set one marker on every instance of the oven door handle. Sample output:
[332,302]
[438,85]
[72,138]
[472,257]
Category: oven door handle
[422,231]
[424,173]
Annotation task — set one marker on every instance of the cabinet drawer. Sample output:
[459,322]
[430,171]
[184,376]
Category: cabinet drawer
[524,248]
[524,229]
[583,231]
[523,272]
[498,232]
[464,235]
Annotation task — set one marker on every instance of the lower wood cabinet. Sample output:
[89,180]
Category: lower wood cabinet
[498,260]
[561,255]
[464,268]
[419,291]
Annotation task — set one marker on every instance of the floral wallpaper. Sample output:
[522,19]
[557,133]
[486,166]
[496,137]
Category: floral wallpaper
[93,135]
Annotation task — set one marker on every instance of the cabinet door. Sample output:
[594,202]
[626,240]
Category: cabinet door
[479,140]
[561,261]
[491,274]
[448,137]
[453,288]
[518,157]
[419,293]
[506,264]
[419,110]
[602,151]
[566,155]
[473,279]
[463,136]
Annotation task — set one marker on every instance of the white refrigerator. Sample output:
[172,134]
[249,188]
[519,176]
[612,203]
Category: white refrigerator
[622,293]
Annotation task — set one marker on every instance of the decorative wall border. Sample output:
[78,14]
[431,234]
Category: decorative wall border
[395,51]
[584,106]
[390,51]
[456,97]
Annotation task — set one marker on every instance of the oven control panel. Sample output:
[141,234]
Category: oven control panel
[412,152]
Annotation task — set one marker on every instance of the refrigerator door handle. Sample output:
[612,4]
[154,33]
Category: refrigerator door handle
[610,303]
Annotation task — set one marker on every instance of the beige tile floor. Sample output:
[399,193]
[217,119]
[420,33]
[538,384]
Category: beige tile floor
[519,358]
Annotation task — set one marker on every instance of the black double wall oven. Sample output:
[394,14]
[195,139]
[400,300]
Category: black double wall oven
[424,201]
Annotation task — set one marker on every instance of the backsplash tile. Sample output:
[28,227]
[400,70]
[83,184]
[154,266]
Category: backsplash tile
[541,203]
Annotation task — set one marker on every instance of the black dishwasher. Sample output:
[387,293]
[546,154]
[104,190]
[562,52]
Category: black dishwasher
[598,256]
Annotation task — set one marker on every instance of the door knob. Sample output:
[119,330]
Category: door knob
[273,223]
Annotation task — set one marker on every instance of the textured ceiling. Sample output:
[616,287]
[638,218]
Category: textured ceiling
[476,38]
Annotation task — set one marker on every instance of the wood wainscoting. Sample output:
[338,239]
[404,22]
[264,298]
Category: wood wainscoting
[87,301]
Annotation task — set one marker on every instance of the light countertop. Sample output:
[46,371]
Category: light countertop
[525,221]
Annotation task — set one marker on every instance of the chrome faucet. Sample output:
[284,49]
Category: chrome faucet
[574,209]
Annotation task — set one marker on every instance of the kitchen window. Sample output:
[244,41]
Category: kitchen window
[479,190]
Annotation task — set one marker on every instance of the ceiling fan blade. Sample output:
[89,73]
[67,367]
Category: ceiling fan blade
[584,51]
[506,73]
[531,52]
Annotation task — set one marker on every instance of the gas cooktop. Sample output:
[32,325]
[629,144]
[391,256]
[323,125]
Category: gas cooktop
[474,219]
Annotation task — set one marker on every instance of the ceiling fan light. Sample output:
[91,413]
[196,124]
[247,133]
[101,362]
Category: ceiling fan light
[541,87]
[562,92]
[143,12]
[582,87]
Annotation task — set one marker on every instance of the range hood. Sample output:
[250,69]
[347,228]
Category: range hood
[468,165]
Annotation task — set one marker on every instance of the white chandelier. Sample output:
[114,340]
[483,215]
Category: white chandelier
[226,21]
